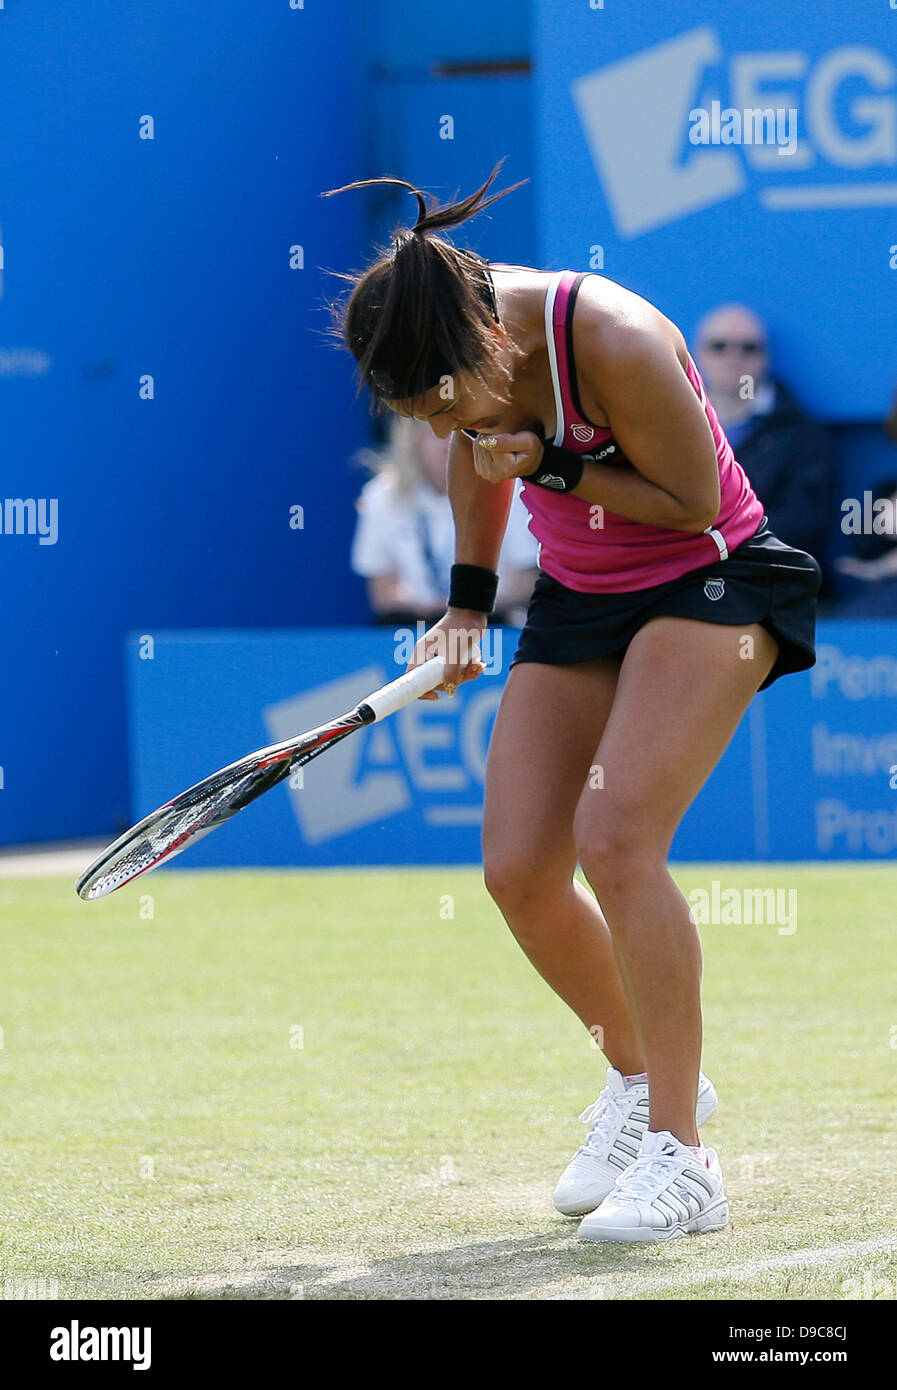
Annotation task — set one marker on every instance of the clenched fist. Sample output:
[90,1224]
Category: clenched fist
[500,456]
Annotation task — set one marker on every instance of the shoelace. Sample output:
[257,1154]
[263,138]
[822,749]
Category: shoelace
[649,1175]
[604,1115]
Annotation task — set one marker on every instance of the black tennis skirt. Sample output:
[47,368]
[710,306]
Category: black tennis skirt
[763,581]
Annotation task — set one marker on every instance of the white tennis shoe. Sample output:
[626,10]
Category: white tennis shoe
[668,1191]
[619,1120]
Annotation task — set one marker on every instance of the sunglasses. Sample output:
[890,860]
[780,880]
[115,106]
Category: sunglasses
[745,345]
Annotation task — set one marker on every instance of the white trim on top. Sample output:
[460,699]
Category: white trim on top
[719,541]
[700,380]
[550,297]
[716,536]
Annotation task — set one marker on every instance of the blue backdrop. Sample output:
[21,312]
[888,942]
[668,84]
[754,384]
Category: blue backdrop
[162,372]
[810,774]
[163,377]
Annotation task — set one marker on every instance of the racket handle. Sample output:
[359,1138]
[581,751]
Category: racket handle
[411,686]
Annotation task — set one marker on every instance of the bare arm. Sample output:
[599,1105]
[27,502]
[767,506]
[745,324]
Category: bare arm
[631,375]
[480,508]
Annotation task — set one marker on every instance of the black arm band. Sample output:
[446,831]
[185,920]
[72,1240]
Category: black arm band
[559,470]
[473,587]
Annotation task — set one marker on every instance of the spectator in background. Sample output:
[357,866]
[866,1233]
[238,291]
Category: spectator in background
[786,454]
[875,561]
[405,537]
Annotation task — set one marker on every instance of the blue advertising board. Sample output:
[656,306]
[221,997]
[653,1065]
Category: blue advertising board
[167,394]
[810,774]
[702,153]
[833,733]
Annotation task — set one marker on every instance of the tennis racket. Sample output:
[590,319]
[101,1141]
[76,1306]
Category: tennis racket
[200,809]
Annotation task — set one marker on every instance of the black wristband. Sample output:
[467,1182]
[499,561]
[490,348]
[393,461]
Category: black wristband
[560,470]
[473,587]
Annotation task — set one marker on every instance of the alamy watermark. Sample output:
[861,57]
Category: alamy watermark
[30,516]
[29,1288]
[752,126]
[456,645]
[83,1342]
[772,907]
[869,516]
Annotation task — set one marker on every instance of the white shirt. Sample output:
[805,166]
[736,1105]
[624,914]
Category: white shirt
[412,536]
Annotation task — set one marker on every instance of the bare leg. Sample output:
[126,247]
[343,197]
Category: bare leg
[548,726]
[682,690]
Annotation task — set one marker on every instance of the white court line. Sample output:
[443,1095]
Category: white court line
[799,1259]
[623,1282]
[795,1259]
[609,1286]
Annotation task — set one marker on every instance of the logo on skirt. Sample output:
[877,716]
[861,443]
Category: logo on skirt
[714,589]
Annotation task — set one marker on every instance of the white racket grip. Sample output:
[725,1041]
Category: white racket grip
[411,686]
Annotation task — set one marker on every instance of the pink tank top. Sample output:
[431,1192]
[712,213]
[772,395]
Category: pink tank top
[595,552]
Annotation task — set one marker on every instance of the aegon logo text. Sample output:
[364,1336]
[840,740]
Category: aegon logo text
[635,115]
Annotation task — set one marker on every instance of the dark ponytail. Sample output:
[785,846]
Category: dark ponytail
[423,309]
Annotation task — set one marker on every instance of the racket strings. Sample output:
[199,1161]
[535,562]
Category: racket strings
[167,837]
[168,831]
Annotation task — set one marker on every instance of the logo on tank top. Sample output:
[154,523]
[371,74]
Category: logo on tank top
[714,589]
[608,452]
[582,432]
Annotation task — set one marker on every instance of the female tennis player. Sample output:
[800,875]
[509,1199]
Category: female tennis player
[663,603]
